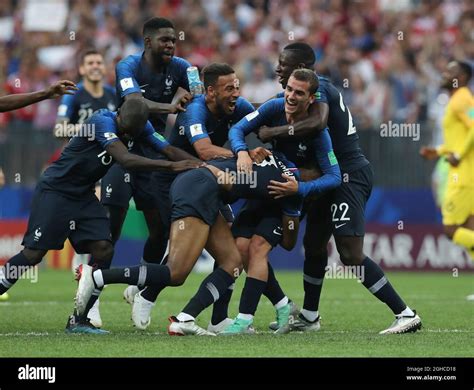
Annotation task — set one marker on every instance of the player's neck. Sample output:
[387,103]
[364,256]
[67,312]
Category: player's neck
[212,106]
[95,89]
[157,67]
[452,91]
[292,118]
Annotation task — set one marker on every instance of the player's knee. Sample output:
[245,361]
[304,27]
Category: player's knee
[349,256]
[34,256]
[102,251]
[314,252]
[258,248]
[178,277]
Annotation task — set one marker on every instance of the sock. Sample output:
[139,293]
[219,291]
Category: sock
[246,317]
[97,291]
[142,275]
[407,312]
[253,290]
[183,317]
[284,301]
[310,315]
[377,283]
[465,238]
[209,292]
[220,308]
[273,290]
[12,271]
[314,270]
[154,250]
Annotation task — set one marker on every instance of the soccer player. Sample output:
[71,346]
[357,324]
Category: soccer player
[13,102]
[458,148]
[197,224]
[64,204]
[202,130]
[75,109]
[258,228]
[340,212]
[160,79]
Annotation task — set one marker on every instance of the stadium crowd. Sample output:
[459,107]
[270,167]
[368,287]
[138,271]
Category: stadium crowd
[385,56]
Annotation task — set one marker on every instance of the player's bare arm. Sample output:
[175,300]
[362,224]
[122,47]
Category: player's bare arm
[13,102]
[316,121]
[206,150]
[130,161]
[177,154]
[155,107]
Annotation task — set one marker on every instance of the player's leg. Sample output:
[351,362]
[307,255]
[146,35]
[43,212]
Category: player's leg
[349,230]
[317,234]
[255,283]
[220,308]
[220,244]
[48,228]
[17,266]
[458,211]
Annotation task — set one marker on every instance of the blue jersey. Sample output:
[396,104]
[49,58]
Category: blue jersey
[80,106]
[341,127]
[255,187]
[84,160]
[311,151]
[133,75]
[197,122]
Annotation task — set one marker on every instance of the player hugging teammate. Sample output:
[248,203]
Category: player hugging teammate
[315,160]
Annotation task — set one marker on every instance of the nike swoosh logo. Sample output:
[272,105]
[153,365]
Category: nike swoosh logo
[338,226]
[275,231]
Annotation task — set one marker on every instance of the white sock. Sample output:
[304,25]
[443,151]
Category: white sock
[183,317]
[407,312]
[98,278]
[310,315]
[281,303]
[246,317]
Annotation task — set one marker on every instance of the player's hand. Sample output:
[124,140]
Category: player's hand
[59,88]
[259,154]
[184,165]
[453,159]
[279,190]
[244,162]
[265,134]
[429,153]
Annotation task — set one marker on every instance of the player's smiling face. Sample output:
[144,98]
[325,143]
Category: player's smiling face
[297,97]
[286,65]
[162,44]
[226,92]
[93,68]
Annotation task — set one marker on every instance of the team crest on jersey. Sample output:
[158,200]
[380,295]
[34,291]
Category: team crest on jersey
[130,144]
[269,160]
[301,150]
[168,85]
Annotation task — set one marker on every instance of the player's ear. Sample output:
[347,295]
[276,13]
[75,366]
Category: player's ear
[147,42]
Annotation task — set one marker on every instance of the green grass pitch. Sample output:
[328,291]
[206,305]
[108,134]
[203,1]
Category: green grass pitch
[33,320]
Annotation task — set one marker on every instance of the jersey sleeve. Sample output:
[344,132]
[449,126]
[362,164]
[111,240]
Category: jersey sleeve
[244,107]
[251,123]
[105,130]
[322,94]
[464,108]
[66,107]
[194,122]
[154,139]
[329,165]
[183,66]
[125,79]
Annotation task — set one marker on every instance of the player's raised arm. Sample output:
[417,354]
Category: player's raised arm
[13,102]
